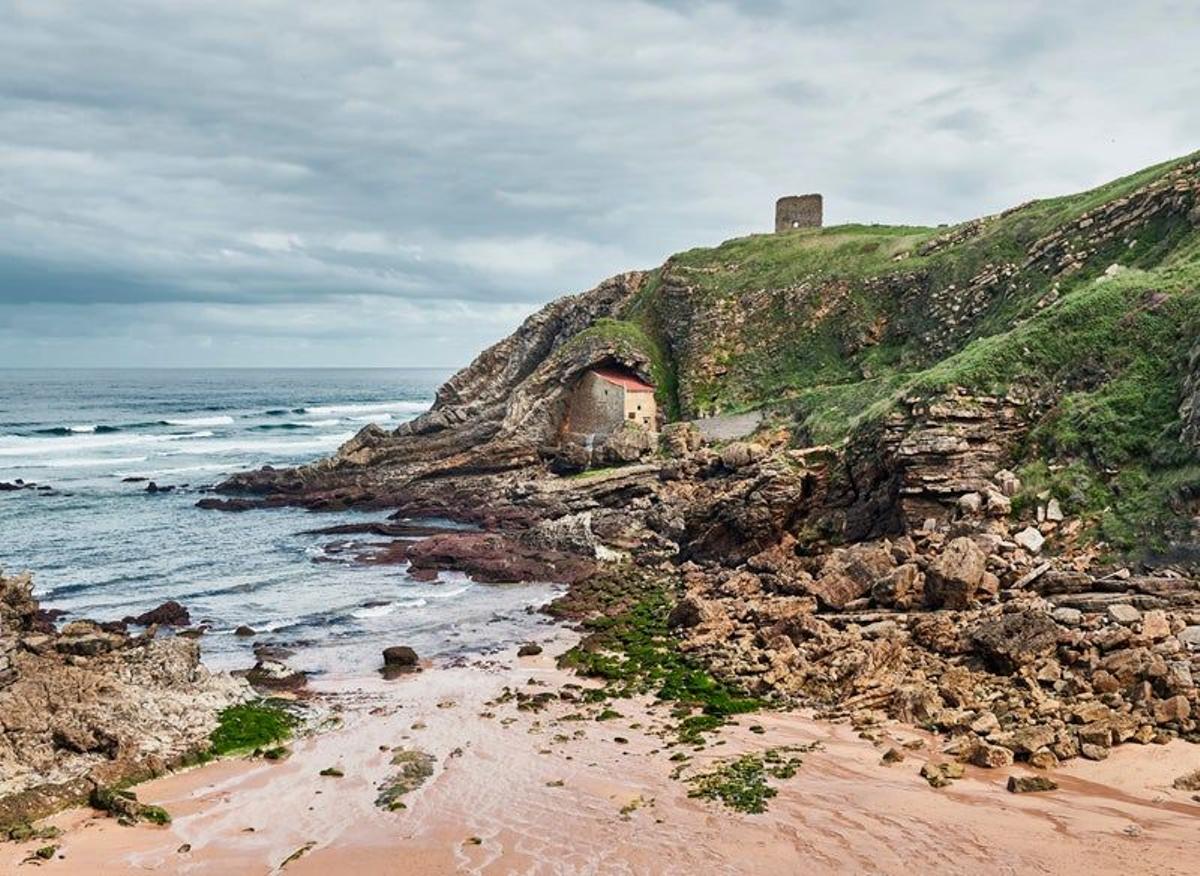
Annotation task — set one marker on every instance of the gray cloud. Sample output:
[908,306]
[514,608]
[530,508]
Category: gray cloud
[271,182]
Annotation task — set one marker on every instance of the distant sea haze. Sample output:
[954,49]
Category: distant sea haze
[99,545]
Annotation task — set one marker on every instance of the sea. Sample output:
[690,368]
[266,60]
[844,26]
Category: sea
[100,546]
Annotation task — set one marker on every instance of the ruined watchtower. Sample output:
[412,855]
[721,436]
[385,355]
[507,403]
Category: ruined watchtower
[798,211]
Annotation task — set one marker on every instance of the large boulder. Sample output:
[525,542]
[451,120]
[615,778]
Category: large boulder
[495,558]
[954,577]
[628,443]
[901,588]
[1015,640]
[169,614]
[681,439]
[401,657]
[850,573]
[739,454]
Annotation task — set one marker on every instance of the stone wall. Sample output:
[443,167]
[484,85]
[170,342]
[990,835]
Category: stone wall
[798,211]
[597,407]
[640,409]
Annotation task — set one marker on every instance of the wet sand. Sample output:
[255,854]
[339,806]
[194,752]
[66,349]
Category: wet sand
[528,792]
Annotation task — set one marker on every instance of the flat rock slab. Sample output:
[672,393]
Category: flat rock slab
[730,426]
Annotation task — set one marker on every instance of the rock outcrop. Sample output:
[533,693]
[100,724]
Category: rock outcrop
[494,415]
[900,568]
[86,707]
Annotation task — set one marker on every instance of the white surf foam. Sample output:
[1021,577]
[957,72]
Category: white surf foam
[223,420]
[406,407]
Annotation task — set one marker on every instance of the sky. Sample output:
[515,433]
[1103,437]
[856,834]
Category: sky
[367,183]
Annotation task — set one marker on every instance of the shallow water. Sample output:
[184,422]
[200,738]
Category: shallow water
[102,547]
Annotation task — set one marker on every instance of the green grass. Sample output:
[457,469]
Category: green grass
[833,321]
[776,261]
[590,473]
[249,727]
[1108,360]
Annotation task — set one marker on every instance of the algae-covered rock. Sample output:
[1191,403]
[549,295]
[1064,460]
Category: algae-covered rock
[415,768]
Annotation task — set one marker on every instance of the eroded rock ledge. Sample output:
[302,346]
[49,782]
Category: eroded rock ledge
[493,416]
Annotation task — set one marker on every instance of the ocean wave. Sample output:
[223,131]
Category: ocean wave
[408,407]
[22,445]
[77,430]
[389,608]
[266,427]
[73,462]
[258,446]
[224,420]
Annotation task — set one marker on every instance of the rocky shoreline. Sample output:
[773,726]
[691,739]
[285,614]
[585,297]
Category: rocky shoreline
[997,628]
[937,565]
[90,706]
[905,571]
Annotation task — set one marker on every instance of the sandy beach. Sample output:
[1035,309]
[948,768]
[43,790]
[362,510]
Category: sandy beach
[516,790]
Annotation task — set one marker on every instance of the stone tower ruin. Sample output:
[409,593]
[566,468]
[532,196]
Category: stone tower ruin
[798,211]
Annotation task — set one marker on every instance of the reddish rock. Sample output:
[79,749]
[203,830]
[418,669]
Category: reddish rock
[495,558]
[954,577]
[1175,709]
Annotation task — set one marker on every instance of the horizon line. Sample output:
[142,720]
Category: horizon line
[230,367]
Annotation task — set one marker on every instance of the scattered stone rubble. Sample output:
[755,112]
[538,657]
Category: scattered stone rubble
[962,628]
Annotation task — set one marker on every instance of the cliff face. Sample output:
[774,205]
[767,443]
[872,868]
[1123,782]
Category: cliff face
[1080,312]
[86,706]
[966,437]
[493,415]
[864,307]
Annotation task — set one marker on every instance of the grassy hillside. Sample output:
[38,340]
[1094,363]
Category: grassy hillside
[1089,302]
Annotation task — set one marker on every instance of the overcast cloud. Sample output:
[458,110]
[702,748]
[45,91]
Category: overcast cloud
[306,182]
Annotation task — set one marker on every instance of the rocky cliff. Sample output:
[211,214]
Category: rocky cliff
[972,499]
[493,415]
[1079,311]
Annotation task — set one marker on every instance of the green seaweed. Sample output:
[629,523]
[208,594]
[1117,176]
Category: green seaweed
[250,726]
[630,648]
[742,784]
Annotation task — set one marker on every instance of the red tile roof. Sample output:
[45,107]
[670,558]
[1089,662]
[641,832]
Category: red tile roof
[620,378]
